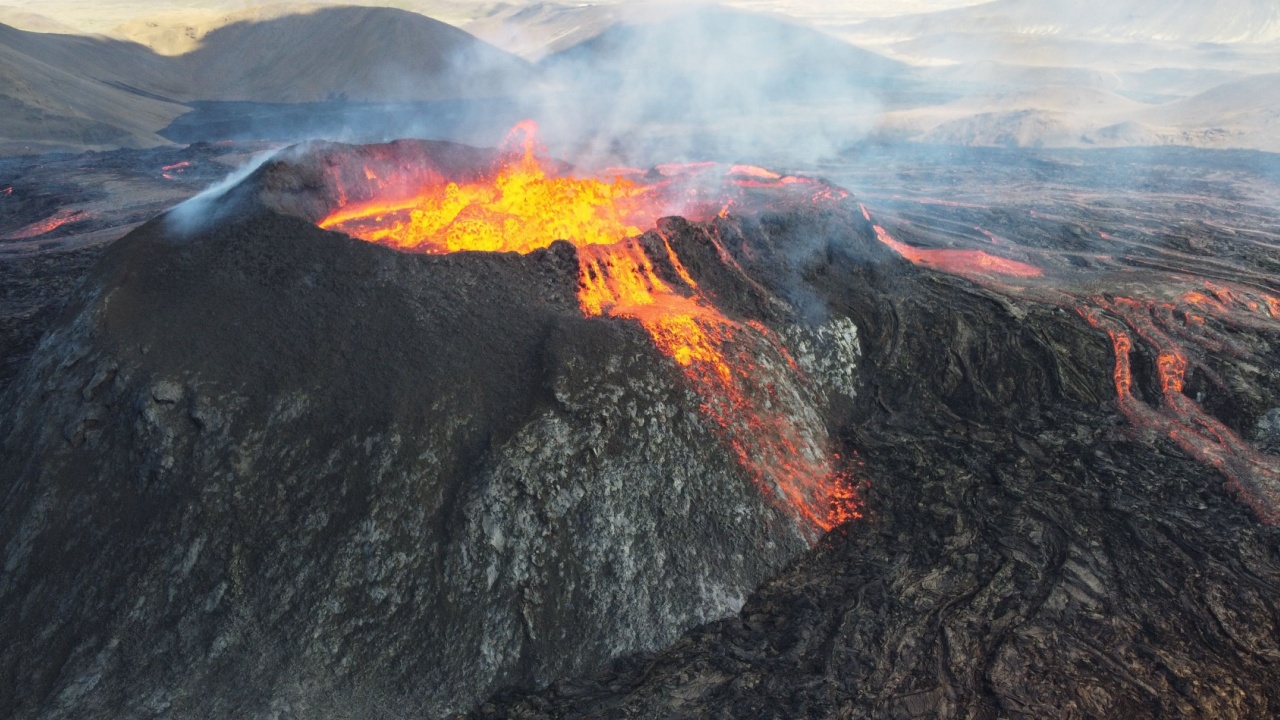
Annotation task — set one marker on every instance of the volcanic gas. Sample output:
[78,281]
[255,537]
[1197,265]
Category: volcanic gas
[525,203]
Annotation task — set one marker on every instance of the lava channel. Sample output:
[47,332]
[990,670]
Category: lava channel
[1173,331]
[48,225]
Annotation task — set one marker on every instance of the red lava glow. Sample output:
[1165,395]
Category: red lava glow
[746,381]
[1176,335]
[48,225]
[960,262]
[7,191]
[1253,476]
[170,172]
[753,171]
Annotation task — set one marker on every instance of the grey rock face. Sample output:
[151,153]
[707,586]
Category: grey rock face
[270,471]
[1268,431]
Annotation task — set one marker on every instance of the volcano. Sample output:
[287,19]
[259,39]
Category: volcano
[415,429]
[298,443]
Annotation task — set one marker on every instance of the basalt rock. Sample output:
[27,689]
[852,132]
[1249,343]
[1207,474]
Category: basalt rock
[1024,556]
[264,470]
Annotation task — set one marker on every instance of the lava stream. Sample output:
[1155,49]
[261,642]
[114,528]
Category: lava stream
[1174,332]
[747,384]
[1254,476]
[960,262]
[48,225]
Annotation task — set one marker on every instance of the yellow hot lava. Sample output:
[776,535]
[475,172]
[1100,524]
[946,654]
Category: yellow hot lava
[523,207]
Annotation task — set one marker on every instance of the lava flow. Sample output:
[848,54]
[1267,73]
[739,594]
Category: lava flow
[170,172]
[960,262]
[1175,332]
[48,225]
[748,385]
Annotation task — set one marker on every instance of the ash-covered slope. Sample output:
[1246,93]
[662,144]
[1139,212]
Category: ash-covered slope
[262,469]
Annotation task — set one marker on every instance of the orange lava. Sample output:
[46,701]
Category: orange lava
[960,262]
[520,209]
[741,373]
[170,172]
[1176,334]
[47,225]
[1252,475]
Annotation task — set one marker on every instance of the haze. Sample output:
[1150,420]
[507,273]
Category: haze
[1021,73]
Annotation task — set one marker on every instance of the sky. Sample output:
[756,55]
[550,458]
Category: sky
[101,16]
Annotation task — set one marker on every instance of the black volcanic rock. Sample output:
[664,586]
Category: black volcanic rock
[1027,552]
[1023,556]
[265,470]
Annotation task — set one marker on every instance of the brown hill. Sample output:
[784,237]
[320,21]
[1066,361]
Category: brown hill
[373,54]
[51,98]
[76,91]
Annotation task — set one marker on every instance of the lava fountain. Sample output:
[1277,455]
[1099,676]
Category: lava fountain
[748,385]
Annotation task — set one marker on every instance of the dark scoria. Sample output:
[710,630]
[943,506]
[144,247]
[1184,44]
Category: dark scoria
[260,469]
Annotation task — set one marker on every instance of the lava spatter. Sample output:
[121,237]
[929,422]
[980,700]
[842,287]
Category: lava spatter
[748,386]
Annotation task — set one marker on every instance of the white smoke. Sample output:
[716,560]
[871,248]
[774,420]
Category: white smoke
[195,213]
[671,84]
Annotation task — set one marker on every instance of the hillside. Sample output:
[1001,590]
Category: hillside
[78,91]
[51,98]
[370,54]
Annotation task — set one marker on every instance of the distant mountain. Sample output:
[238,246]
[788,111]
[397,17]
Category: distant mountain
[1182,21]
[706,82]
[358,53]
[93,91]
[1243,113]
[540,29]
[32,22]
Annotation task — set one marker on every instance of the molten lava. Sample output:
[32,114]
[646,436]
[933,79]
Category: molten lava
[48,225]
[170,172]
[1175,334]
[747,383]
[960,262]
[520,209]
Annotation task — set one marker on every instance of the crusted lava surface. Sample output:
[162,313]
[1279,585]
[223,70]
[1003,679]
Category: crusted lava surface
[1032,547]
[262,469]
